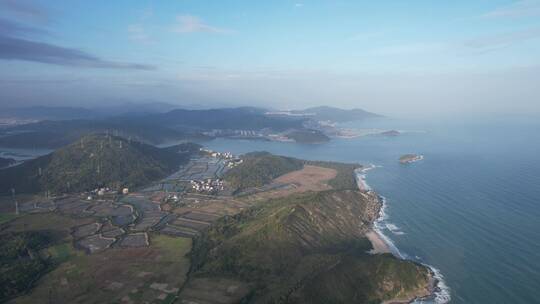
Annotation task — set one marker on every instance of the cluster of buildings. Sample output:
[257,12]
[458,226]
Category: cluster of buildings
[231,159]
[234,133]
[224,155]
[104,191]
[208,185]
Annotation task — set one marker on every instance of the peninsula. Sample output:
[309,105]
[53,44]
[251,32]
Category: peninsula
[207,227]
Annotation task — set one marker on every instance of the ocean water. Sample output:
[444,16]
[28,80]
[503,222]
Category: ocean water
[470,209]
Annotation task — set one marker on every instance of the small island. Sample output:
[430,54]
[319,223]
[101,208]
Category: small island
[391,133]
[410,158]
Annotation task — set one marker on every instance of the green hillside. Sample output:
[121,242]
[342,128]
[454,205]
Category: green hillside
[291,247]
[259,168]
[56,134]
[308,136]
[20,261]
[93,161]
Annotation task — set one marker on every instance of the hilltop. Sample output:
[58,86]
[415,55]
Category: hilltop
[92,161]
[55,134]
[260,168]
[308,248]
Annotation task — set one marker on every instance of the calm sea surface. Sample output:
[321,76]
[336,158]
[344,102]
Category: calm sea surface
[470,209]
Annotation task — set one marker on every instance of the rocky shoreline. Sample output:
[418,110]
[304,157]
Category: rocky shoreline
[381,246]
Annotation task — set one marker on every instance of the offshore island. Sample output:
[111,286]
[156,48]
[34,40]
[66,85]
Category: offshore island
[139,224]
[410,158]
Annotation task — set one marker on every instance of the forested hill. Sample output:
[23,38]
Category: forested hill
[93,161]
[56,134]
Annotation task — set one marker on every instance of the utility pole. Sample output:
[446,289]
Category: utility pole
[15,200]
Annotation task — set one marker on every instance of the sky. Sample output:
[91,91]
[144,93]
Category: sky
[390,57]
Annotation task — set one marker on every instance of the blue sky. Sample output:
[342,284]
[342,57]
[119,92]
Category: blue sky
[385,56]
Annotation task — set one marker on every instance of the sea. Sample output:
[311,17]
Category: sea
[470,209]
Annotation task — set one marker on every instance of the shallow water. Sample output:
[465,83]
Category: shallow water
[471,208]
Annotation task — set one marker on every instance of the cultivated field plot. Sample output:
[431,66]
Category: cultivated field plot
[95,243]
[86,230]
[141,203]
[219,205]
[108,208]
[213,291]
[200,216]
[192,224]
[110,231]
[200,168]
[135,240]
[51,222]
[37,206]
[148,220]
[151,274]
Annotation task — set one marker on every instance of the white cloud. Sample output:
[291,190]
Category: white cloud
[192,24]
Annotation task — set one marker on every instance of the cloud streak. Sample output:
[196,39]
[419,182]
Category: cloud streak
[21,49]
[191,24]
[24,10]
[503,40]
[524,8]
[10,28]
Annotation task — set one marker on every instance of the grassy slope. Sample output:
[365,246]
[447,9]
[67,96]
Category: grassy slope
[345,178]
[88,276]
[260,168]
[284,246]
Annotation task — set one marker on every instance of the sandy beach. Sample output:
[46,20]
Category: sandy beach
[379,245]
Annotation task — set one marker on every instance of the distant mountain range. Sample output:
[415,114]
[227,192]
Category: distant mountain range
[244,118]
[148,124]
[54,134]
[92,161]
[67,113]
[336,114]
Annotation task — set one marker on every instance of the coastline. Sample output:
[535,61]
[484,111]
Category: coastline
[436,291]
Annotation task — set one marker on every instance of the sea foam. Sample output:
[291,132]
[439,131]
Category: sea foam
[441,294]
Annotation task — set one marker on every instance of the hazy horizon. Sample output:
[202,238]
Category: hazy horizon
[397,59]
